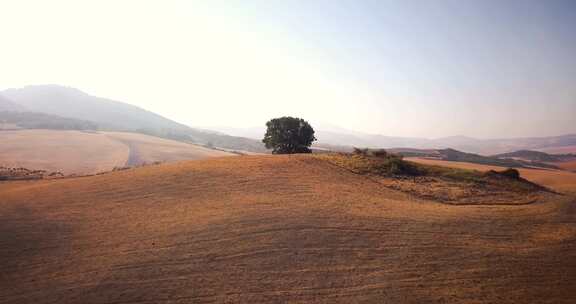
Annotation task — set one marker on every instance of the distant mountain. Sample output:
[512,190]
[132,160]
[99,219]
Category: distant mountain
[459,156]
[9,105]
[494,146]
[536,156]
[346,139]
[117,116]
[34,120]
[73,103]
[330,136]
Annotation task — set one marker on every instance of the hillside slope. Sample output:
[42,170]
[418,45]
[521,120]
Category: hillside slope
[10,120]
[8,105]
[87,152]
[118,116]
[273,229]
[73,103]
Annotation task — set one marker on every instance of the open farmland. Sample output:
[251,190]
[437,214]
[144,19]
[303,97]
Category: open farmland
[147,149]
[87,152]
[569,165]
[274,229]
[555,179]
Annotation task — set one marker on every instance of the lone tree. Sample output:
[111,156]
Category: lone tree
[287,135]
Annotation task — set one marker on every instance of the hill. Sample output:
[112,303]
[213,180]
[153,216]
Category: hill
[459,156]
[558,180]
[32,120]
[569,149]
[274,229]
[88,152]
[8,105]
[113,115]
[346,139]
[530,155]
[73,103]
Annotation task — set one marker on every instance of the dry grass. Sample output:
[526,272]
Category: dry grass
[444,184]
[273,229]
[569,165]
[77,152]
[63,151]
[562,181]
[148,149]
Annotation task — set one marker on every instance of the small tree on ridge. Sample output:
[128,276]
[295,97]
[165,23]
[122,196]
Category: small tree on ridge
[287,135]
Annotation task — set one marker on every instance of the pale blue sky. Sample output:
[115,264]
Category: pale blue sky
[409,68]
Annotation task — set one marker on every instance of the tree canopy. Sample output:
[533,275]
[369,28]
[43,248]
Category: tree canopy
[287,135]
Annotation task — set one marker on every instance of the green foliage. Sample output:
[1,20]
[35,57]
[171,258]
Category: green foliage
[287,135]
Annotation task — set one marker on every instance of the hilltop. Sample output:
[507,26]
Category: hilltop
[254,229]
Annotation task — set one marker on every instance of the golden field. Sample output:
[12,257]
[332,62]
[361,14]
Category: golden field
[80,152]
[274,229]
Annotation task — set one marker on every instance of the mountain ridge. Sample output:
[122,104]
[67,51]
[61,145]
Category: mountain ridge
[114,115]
[458,142]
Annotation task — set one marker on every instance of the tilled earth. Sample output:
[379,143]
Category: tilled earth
[274,229]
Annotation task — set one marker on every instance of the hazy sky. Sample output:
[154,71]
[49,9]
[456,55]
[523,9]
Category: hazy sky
[409,68]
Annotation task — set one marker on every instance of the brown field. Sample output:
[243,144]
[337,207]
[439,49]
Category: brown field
[274,229]
[77,152]
[569,165]
[558,180]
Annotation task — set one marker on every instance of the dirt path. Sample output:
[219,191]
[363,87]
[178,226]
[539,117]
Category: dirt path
[133,156]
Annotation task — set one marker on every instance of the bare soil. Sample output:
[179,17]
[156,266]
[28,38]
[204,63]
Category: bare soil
[274,229]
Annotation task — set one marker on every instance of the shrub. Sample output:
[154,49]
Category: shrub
[510,173]
[359,151]
[379,153]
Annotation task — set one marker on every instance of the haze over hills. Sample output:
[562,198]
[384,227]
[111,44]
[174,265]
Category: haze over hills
[342,137]
[69,102]
[113,115]
[8,105]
